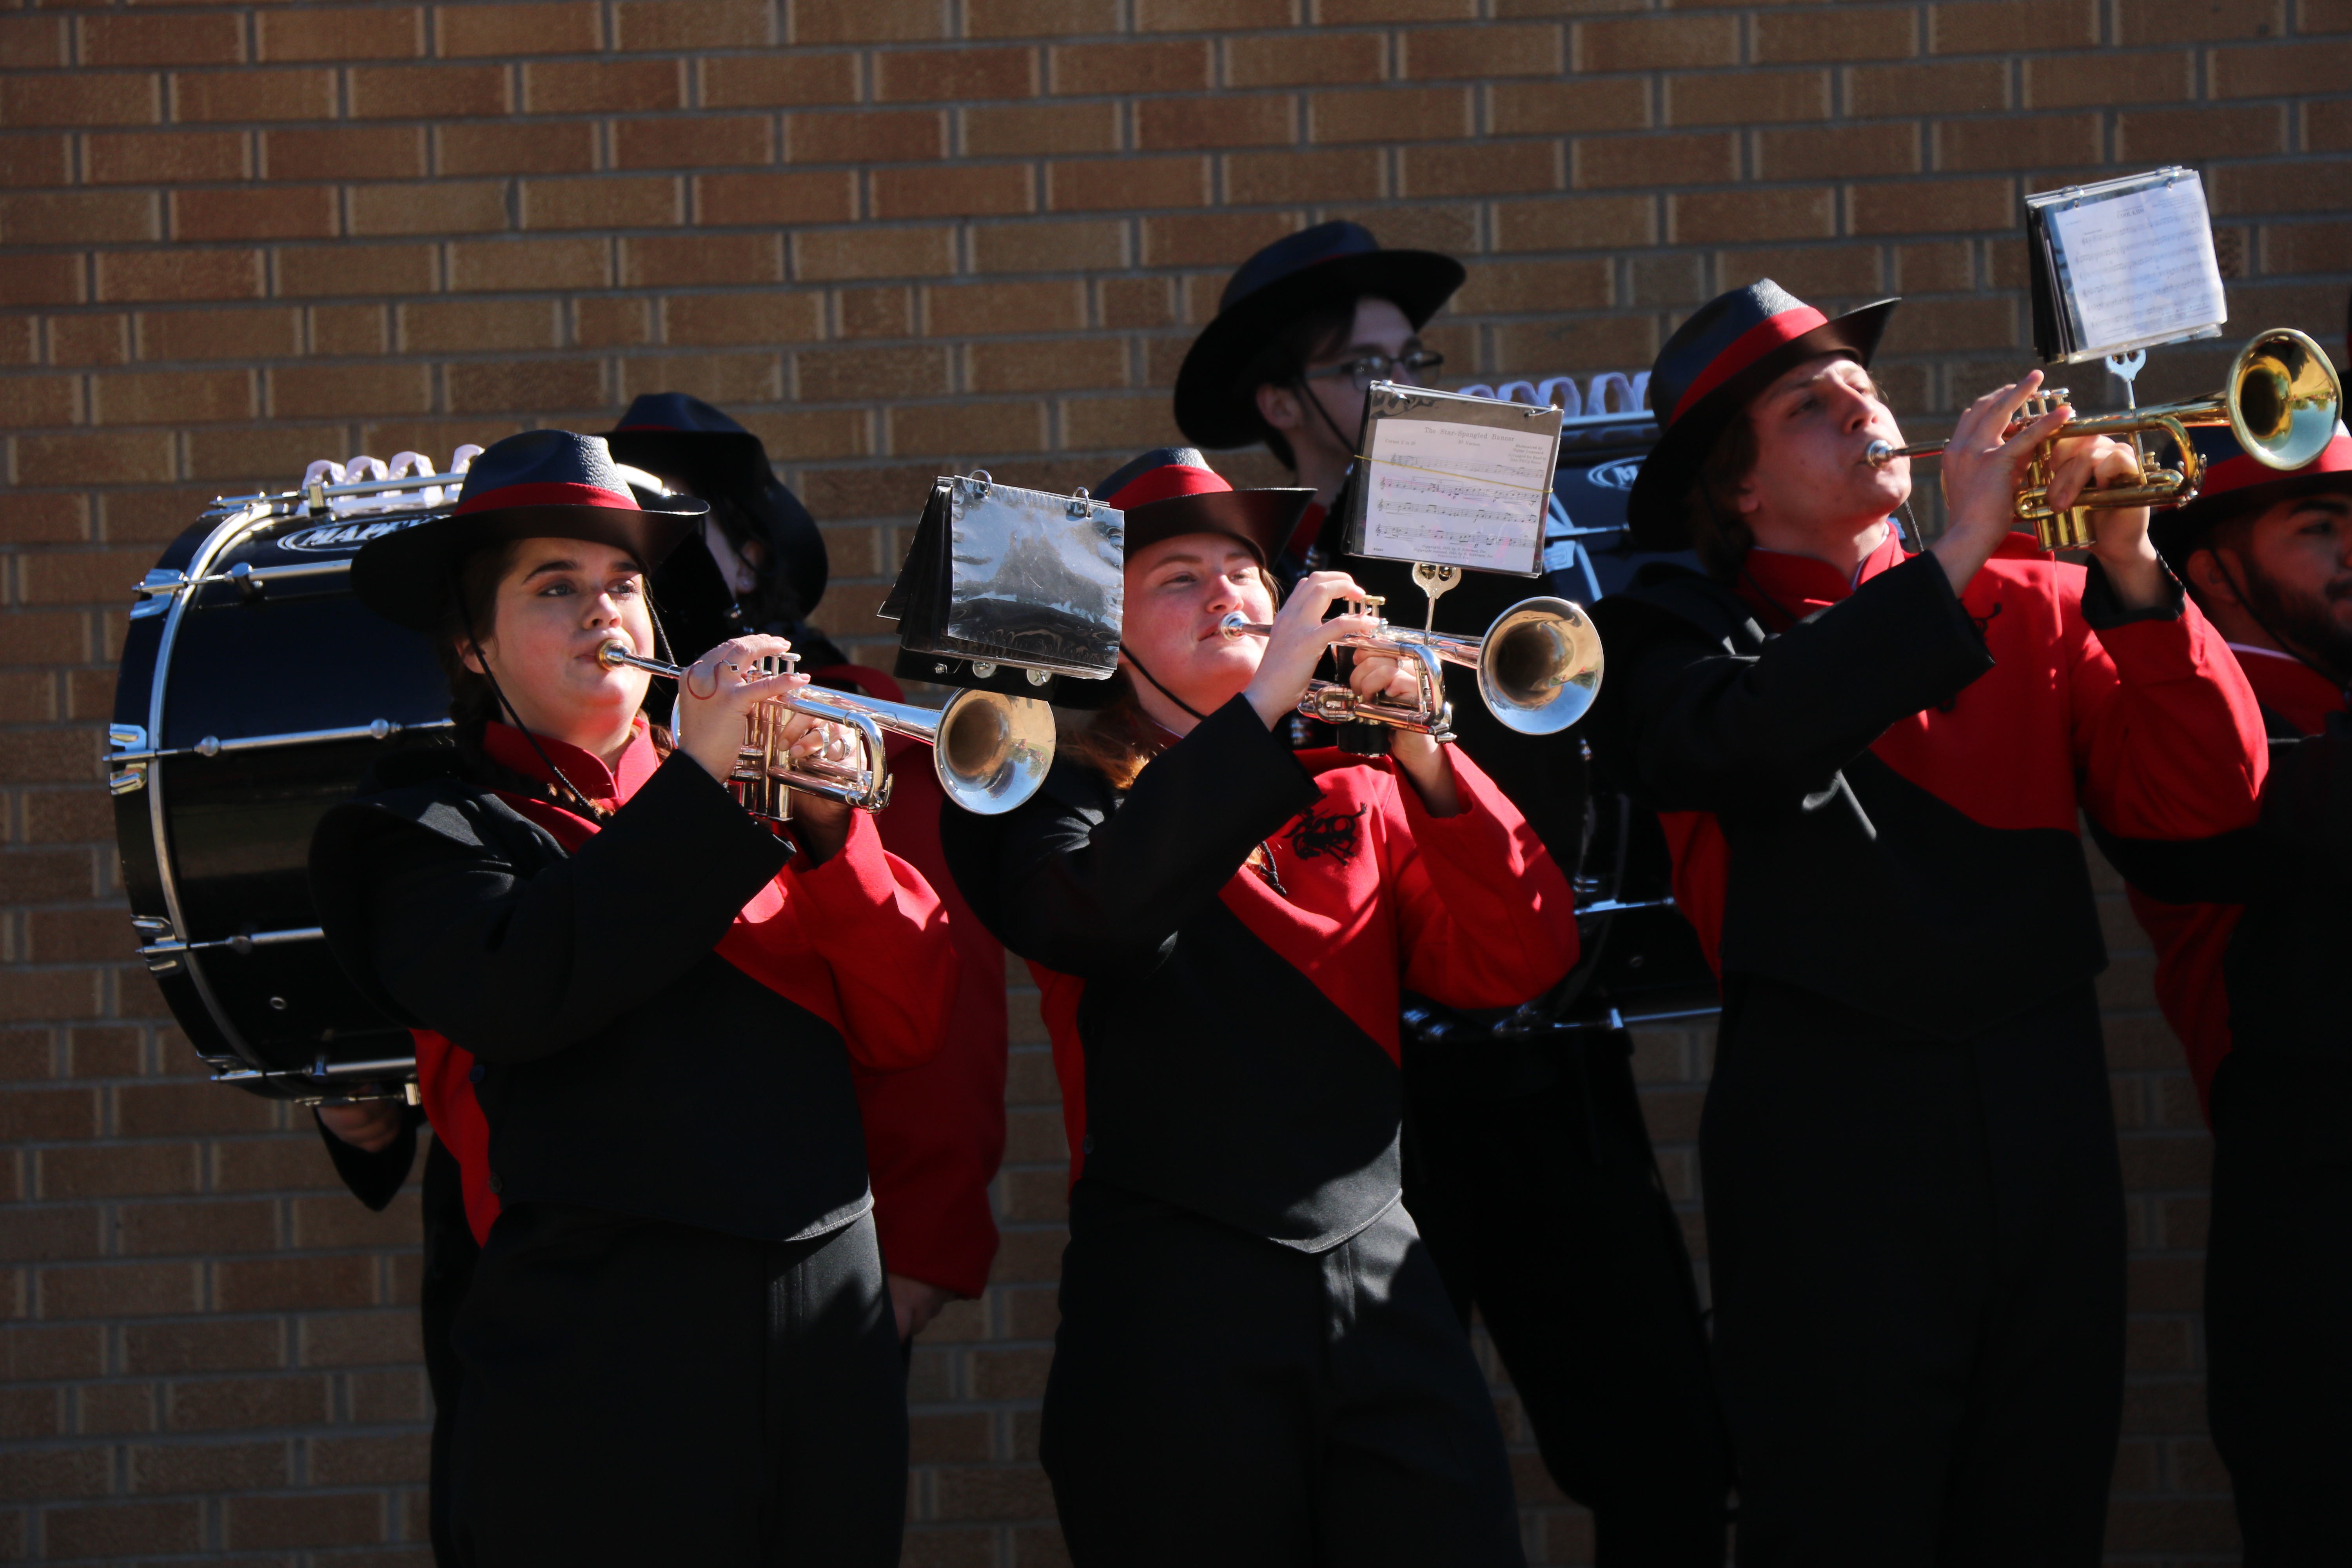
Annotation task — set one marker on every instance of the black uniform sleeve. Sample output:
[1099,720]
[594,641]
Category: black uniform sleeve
[514,965]
[375,1179]
[1693,725]
[2304,839]
[1094,893]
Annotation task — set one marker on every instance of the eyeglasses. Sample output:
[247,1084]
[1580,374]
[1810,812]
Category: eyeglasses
[1381,367]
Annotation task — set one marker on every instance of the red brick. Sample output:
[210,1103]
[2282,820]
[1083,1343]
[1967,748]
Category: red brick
[813,196]
[1309,177]
[1712,217]
[250,1285]
[342,33]
[41,280]
[654,261]
[507,147]
[2162,136]
[428,92]
[1481,53]
[118,1531]
[1040,128]
[954,76]
[1204,16]
[1163,66]
[273,212]
[525,385]
[2275,71]
[335,1518]
[607,202]
[1347,13]
[476,29]
[440,206]
[2073,82]
[120,1290]
[1832,151]
[1167,123]
[166,157]
[1750,98]
[2308,248]
[1960,206]
[1846,33]
[35,43]
[313,392]
[781,80]
[1494,169]
[711,320]
[78,218]
[884,136]
[956,191]
[36,160]
[514,264]
[2010,27]
[151,41]
[707,141]
[691,24]
[44,520]
[132,1169]
[1392,114]
[1087,186]
[48,1234]
[349,152]
[467,325]
[985,308]
[826,375]
[171,396]
[1957,87]
[1656,43]
[2322,186]
[2014,142]
[1648,161]
[2197,21]
[1580,224]
[249,95]
[588,86]
[180,273]
[347,268]
[836,255]
[1609,103]
[208,1467]
[875,22]
[83,97]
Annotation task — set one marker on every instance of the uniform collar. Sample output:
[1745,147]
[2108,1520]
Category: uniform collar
[1785,588]
[509,747]
[2290,687]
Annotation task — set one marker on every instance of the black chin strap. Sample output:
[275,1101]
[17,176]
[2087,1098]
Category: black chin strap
[1142,671]
[594,811]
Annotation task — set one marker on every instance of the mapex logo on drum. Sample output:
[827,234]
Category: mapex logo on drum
[346,535]
[1616,476]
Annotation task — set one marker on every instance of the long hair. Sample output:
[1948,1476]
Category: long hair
[1717,532]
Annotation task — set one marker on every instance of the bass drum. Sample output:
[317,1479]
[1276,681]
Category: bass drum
[254,693]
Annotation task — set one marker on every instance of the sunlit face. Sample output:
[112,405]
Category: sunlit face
[2295,568]
[560,601]
[1813,429]
[1178,590]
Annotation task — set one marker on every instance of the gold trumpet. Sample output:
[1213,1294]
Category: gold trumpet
[1539,669]
[2282,400]
[989,752]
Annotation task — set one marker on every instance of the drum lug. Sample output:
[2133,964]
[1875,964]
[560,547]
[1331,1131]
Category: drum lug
[127,781]
[132,777]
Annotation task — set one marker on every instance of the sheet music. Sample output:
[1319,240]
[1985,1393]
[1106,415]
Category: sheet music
[1457,495]
[2138,267]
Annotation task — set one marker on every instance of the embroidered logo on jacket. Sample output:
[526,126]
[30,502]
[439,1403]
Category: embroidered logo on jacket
[1325,833]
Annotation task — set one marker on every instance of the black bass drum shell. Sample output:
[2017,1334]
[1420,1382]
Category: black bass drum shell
[236,693]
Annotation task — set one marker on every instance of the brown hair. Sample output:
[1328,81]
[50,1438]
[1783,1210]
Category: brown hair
[470,608]
[1717,532]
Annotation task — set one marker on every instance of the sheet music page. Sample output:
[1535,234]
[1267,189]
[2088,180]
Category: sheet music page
[2139,267]
[1457,495]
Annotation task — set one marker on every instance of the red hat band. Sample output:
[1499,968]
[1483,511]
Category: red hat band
[2244,471]
[1166,483]
[1786,326]
[545,493]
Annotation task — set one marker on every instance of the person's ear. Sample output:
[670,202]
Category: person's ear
[471,657]
[1278,407]
[1745,500]
[2212,584]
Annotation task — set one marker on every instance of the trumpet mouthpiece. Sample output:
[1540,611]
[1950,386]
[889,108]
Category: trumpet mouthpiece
[1878,454]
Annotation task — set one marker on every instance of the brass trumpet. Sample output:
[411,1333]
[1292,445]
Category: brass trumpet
[1539,669]
[989,752]
[2282,400]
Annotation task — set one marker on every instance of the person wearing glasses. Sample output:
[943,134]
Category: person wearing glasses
[1527,1165]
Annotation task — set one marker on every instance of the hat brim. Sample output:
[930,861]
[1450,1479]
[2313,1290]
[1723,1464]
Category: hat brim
[2178,532]
[1263,519]
[1214,412]
[403,576]
[1655,513]
[737,463]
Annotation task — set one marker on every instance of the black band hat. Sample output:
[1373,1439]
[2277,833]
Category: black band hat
[683,438]
[2235,482]
[1172,491]
[541,484]
[1730,349]
[1331,261]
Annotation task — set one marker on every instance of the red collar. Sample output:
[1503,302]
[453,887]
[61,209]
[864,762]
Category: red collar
[2290,687]
[1311,524]
[1783,589]
[510,748]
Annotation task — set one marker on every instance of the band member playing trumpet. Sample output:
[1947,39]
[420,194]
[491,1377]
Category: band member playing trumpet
[680,1310]
[1528,1164]
[2250,930]
[1221,929]
[1872,765]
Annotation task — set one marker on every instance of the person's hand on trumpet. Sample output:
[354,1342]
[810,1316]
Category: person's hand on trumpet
[1294,649]
[716,697]
[1984,468]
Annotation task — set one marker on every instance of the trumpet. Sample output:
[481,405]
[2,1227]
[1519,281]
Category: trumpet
[1539,669]
[989,752]
[2282,400]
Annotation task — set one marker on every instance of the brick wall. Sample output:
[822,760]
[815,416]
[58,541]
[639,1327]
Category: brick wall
[895,236]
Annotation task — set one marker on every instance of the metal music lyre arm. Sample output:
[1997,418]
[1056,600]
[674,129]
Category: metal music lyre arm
[989,752]
[2282,400]
[1539,669]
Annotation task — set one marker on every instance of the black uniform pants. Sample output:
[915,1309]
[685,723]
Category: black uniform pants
[2278,1302]
[449,1254]
[1529,1172]
[638,1392]
[1918,1253]
[1216,1397]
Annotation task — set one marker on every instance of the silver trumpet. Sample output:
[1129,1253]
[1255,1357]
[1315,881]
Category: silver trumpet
[989,752]
[1539,669]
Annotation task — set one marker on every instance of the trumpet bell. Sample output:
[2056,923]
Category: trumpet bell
[991,752]
[2283,399]
[1539,666]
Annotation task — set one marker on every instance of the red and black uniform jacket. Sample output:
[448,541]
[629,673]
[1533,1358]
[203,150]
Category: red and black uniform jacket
[2253,928]
[1226,1033]
[1872,788]
[656,1017]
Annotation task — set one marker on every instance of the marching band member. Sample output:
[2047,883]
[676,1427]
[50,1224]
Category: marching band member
[1528,1167]
[1872,765]
[680,1310]
[1221,930]
[2250,930]
[934,1134]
